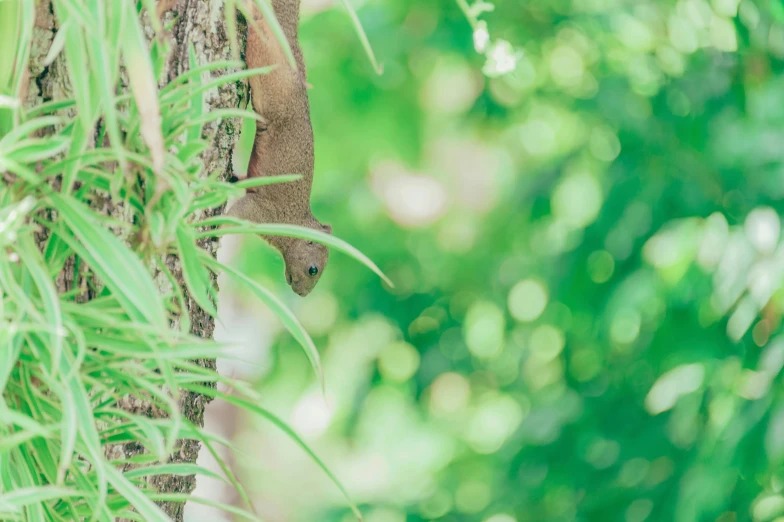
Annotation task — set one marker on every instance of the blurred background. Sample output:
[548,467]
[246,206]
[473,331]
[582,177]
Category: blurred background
[587,258]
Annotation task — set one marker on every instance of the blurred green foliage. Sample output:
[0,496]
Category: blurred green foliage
[587,258]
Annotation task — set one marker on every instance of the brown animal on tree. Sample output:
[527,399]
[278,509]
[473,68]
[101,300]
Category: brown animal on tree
[283,145]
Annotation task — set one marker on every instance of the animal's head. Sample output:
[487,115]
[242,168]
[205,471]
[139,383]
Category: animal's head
[305,263]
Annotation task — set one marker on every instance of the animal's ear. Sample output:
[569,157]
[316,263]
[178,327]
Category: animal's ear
[327,228]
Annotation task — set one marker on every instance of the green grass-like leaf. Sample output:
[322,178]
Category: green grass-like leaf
[252,407]
[119,268]
[196,276]
[379,68]
[89,320]
[269,14]
[49,299]
[241,226]
[288,318]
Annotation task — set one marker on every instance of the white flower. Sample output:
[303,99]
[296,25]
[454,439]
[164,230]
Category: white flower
[481,37]
[502,58]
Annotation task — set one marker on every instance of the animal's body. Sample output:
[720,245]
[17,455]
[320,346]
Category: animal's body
[283,145]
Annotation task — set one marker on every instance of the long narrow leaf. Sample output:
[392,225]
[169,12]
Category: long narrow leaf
[274,419]
[363,37]
[120,269]
[277,30]
[259,181]
[143,85]
[181,469]
[48,294]
[289,320]
[26,496]
[139,500]
[241,226]
[184,497]
[195,275]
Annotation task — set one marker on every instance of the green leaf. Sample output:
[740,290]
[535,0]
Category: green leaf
[196,277]
[198,121]
[241,226]
[143,85]
[50,106]
[57,44]
[289,320]
[118,267]
[259,181]
[33,150]
[152,435]
[146,508]
[48,294]
[181,469]
[277,30]
[26,174]
[363,37]
[76,57]
[25,129]
[152,12]
[253,408]
[101,61]
[197,72]
[197,100]
[178,97]
[186,497]
[26,496]
[230,9]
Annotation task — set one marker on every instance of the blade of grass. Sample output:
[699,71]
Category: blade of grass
[115,264]
[50,106]
[99,55]
[24,39]
[143,84]
[180,469]
[178,97]
[76,58]
[197,100]
[363,37]
[26,128]
[265,180]
[184,497]
[289,320]
[58,43]
[241,226]
[275,420]
[196,278]
[152,13]
[230,10]
[146,508]
[192,73]
[33,262]
[34,150]
[26,496]
[277,30]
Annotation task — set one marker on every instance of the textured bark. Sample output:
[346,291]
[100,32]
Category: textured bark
[199,23]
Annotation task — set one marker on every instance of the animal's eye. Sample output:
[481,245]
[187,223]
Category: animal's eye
[313,270]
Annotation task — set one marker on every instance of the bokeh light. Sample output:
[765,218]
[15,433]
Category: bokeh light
[527,300]
[578,204]
[577,200]
[484,329]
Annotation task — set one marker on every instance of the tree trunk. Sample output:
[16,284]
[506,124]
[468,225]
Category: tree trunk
[201,24]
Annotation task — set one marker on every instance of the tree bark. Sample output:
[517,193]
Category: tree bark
[201,24]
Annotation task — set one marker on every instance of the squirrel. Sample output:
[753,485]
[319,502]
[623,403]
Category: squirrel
[283,144]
